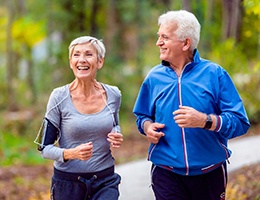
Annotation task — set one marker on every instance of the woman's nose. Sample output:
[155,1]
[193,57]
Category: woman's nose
[82,59]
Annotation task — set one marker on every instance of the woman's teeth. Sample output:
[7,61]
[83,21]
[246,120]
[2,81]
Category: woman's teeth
[83,68]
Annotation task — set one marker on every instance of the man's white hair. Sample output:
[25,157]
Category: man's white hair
[187,25]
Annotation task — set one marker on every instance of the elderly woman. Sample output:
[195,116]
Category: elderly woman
[80,126]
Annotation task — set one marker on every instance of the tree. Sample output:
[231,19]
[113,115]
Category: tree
[10,59]
[232,19]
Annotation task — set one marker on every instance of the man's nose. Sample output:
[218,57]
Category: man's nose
[159,41]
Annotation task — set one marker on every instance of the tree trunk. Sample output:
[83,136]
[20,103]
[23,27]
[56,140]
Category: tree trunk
[111,24]
[209,11]
[30,75]
[232,19]
[93,18]
[11,100]
[166,3]
[76,21]
[258,46]
[186,5]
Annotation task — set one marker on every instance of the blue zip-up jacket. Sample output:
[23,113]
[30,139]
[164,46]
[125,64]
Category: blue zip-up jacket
[206,87]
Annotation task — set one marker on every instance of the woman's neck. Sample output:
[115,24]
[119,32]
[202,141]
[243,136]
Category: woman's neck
[84,88]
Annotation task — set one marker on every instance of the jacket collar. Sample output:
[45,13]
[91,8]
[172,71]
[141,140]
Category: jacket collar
[196,58]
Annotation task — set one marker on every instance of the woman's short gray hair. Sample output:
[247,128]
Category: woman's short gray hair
[98,44]
[187,25]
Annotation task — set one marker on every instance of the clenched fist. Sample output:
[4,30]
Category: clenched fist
[81,152]
[115,139]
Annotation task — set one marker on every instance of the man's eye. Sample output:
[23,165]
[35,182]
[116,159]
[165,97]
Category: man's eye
[165,37]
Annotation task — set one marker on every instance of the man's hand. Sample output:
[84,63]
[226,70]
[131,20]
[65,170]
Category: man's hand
[152,131]
[188,117]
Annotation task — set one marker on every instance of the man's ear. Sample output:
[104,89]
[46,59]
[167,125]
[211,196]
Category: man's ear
[187,44]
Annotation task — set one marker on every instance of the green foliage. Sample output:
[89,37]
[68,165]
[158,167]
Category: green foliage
[250,91]
[252,6]
[245,74]
[3,22]
[126,8]
[18,149]
[229,55]
[3,95]
[27,31]
[251,28]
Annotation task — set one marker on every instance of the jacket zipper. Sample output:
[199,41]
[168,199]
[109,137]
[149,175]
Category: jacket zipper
[182,130]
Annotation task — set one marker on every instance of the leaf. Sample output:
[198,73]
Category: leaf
[252,6]
[28,31]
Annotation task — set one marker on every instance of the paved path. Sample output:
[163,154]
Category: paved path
[136,175]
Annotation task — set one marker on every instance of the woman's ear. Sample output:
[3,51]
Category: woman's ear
[100,63]
[70,64]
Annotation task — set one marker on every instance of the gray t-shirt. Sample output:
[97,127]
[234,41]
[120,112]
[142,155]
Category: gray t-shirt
[76,128]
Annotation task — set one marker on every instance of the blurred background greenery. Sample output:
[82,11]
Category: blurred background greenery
[34,39]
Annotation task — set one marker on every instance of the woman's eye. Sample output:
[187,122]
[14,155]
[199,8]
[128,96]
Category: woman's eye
[76,54]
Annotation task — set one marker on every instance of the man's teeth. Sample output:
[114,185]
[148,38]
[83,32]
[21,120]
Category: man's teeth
[162,50]
[83,68]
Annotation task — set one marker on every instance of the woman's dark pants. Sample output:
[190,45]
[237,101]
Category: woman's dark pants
[86,186]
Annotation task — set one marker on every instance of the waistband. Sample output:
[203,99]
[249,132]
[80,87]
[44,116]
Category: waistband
[69,176]
[198,171]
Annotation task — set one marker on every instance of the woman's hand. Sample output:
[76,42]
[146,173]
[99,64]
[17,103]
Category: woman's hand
[115,139]
[81,152]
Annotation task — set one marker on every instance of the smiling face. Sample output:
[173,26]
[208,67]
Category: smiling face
[84,61]
[171,49]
